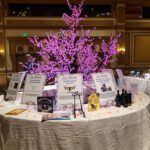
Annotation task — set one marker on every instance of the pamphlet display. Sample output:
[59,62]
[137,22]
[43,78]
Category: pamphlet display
[34,86]
[13,86]
[105,86]
[68,84]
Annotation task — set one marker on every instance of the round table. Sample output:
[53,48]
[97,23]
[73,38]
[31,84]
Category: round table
[143,84]
[111,128]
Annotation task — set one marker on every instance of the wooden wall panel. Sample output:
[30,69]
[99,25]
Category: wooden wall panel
[138,24]
[121,54]
[63,1]
[56,22]
[120,14]
[1,14]
[128,48]
[2,52]
[141,49]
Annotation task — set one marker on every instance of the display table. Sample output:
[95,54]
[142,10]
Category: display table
[143,84]
[111,128]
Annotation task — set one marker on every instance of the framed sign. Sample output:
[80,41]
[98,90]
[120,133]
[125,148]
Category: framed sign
[104,85]
[110,71]
[67,84]
[34,87]
[13,86]
[45,104]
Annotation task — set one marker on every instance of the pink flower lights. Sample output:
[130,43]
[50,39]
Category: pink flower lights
[67,52]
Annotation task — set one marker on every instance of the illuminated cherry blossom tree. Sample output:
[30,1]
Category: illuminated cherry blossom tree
[69,51]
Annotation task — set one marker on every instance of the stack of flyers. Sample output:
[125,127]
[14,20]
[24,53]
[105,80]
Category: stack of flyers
[57,116]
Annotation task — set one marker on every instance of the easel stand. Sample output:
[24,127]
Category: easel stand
[74,94]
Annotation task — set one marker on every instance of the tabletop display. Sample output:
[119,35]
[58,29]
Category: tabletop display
[83,109]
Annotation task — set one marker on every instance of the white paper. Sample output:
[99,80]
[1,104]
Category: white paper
[34,86]
[67,84]
[104,85]
[110,71]
[13,86]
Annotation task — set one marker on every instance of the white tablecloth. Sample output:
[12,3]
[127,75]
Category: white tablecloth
[143,84]
[109,129]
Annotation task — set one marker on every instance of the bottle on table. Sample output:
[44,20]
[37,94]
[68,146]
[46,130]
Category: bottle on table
[123,99]
[117,99]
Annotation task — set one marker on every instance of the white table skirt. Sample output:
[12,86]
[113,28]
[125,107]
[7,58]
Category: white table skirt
[109,129]
[143,84]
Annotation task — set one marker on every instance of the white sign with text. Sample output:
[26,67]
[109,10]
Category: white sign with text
[67,85]
[110,71]
[34,87]
[13,86]
[104,85]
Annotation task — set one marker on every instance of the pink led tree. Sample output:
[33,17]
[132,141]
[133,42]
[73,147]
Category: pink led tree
[69,52]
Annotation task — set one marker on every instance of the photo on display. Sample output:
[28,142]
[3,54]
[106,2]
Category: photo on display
[45,104]
[104,88]
[69,88]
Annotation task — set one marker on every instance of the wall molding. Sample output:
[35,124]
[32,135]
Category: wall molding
[134,62]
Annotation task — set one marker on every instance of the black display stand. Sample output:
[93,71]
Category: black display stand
[74,94]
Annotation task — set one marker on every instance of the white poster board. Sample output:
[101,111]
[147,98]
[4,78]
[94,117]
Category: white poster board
[67,84]
[34,86]
[104,85]
[110,71]
[122,82]
[13,86]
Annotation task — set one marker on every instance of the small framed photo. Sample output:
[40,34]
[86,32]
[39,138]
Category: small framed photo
[45,104]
